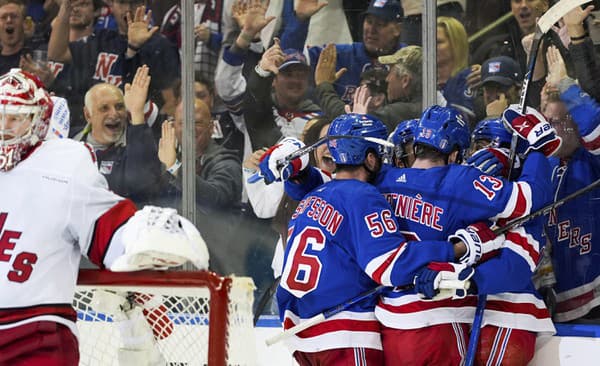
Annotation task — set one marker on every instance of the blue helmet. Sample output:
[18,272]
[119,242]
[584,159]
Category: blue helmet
[493,130]
[443,129]
[404,132]
[351,151]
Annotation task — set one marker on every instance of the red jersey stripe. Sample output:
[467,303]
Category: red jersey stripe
[14,315]
[105,227]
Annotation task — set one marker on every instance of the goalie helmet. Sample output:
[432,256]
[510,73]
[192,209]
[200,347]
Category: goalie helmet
[443,129]
[352,151]
[25,110]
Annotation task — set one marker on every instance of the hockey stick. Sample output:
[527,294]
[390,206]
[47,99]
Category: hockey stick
[546,21]
[444,284]
[307,149]
[475,330]
[264,299]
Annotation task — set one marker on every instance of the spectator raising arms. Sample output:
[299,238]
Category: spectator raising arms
[113,57]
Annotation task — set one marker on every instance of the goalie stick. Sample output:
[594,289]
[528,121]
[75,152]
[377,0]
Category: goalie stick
[307,149]
[545,22]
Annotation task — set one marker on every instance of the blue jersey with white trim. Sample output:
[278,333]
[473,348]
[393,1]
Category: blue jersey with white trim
[572,226]
[434,202]
[342,241]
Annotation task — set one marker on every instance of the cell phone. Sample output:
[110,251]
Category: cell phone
[593,23]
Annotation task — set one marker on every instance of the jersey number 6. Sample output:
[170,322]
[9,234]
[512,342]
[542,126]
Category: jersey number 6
[302,270]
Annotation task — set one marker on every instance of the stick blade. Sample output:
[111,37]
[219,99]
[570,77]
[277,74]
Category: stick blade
[556,12]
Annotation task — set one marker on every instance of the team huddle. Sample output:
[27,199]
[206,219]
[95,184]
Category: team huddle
[419,214]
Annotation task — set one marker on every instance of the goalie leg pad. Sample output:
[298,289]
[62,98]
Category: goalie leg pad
[138,344]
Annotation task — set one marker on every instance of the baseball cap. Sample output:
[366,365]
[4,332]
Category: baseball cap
[411,57]
[388,10]
[293,57]
[501,69]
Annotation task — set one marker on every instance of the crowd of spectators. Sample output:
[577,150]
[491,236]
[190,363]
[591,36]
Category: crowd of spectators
[265,71]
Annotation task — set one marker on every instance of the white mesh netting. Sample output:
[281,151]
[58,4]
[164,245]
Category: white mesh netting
[177,319]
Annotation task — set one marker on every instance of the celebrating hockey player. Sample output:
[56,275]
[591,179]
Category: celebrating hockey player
[355,246]
[55,207]
[431,200]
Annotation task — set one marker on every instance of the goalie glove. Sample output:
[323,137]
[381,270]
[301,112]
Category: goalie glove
[440,280]
[479,239]
[159,238]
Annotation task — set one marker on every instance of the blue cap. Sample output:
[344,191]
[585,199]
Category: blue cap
[502,69]
[293,57]
[388,10]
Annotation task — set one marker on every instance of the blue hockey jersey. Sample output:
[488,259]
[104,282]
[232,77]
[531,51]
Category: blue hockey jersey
[339,247]
[433,203]
[572,226]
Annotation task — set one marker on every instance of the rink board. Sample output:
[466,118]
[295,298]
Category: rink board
[574,345]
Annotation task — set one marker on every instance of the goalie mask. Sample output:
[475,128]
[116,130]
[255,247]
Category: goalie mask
[25,110]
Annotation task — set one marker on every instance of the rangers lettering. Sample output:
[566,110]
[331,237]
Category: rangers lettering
[565,231]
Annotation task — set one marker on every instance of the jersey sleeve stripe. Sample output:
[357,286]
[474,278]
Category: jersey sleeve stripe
[519,203]
[380,268]
[524,245]
[104,228]
[592,144]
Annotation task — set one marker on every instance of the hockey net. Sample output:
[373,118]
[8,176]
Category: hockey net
[195,317]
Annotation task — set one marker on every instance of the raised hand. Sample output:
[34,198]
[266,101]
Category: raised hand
[42,71]
[307,8]
[574,20]
[250,16]
[474,77]
[202,32]
[136,94]
[556,66]
[138,31]
[362,98]
[325,69]
[272,58]
[167,145]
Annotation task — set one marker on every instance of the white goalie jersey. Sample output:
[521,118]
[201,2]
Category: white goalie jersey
[55,206]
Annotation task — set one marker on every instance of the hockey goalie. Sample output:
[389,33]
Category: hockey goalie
[54,207]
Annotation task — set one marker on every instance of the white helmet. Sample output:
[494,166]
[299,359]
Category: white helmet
[25,110]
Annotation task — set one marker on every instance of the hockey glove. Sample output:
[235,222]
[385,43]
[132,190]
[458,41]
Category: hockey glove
[492,161]
[440,280]
[479,240]
[273,166]
[534,128]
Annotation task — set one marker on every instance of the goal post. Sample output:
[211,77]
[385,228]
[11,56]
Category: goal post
[193,317]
